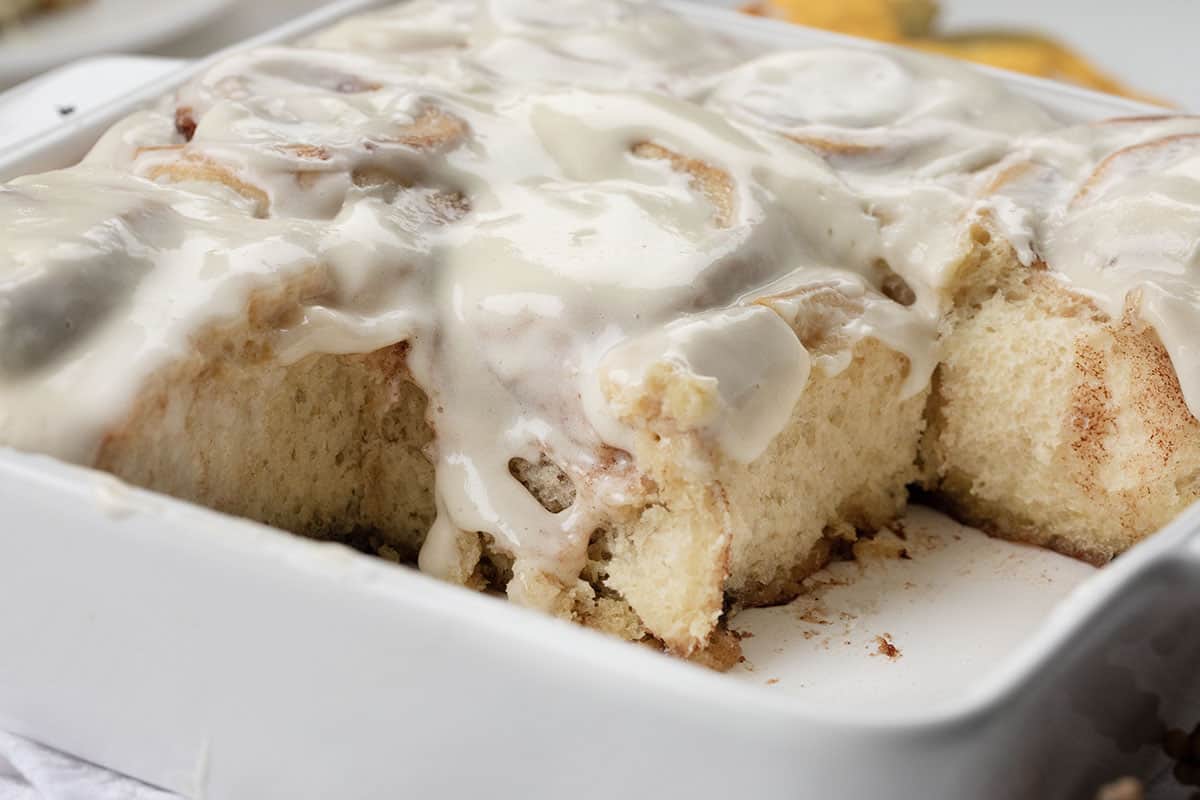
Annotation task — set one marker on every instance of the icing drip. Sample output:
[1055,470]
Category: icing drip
[553,205]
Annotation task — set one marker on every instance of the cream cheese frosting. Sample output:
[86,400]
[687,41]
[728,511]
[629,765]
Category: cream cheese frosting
[471,177]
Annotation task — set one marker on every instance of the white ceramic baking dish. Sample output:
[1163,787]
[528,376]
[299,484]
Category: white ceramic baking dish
[223,659]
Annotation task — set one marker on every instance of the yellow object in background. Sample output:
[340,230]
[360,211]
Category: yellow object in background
[872,19]
[913,23]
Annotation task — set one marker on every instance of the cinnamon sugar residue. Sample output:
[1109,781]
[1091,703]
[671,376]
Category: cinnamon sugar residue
[886,647]
[813,616]
[185,123]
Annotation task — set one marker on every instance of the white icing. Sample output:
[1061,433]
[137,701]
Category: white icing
[1113,209]
[539,268]
[744,365]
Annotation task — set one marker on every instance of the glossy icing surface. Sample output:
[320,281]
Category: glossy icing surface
[549,202]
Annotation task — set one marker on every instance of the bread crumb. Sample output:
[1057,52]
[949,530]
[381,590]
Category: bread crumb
[887,647]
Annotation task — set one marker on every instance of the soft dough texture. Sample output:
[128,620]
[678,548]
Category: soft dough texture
[332,447]
[1052,423]
[591,308]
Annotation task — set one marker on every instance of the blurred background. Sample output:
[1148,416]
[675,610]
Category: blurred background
[1142,49]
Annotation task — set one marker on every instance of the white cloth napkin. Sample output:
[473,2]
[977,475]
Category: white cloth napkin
[29,771]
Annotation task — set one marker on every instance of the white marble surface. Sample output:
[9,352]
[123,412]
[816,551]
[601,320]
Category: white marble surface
[29,771]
